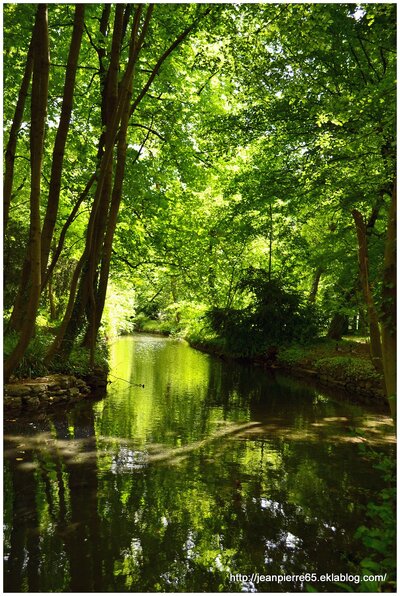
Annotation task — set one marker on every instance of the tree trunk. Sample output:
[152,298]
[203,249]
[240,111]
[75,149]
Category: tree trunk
[13,136]
[84,300]
[61,136]
[40,83]
[109,106]
[64,230]
[52,307]
[19,311]
[388,317]
[337,326]
[314,288]
[116,197]
[374,331]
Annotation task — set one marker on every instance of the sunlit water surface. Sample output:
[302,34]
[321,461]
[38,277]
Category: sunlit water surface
[190,471]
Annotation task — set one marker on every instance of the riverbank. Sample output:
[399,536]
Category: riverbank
[345,365]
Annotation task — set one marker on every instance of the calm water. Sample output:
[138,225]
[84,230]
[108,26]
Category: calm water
[210,469]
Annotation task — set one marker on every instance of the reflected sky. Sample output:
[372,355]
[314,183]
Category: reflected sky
[190,470]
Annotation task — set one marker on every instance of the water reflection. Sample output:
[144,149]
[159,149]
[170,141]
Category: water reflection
[208,470]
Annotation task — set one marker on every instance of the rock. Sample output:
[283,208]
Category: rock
[12,403]
[37,388]
[31,401]
[66,382]
[55,399]
[96,379]
[17,390]
[60,392]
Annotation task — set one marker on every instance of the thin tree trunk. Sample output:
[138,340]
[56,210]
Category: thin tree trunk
[389,347]
[55,346]
[61,136]
[64,230]
[52,307]
[109,105]
[373,322]
[19,311]
[40,83]
[13,136]
[94,324]
[270,242]
[97,313]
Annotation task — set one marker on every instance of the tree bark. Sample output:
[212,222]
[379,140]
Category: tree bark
[19,312]
[314,288]
[388,318]
[13,136]
[84,300]
[373,322]
[40,83]
[61,136]
[96,315]
[64,230]
[337,326]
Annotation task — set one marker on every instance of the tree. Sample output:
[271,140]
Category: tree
[38,114]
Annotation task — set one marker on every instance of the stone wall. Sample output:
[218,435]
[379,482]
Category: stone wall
[44,392]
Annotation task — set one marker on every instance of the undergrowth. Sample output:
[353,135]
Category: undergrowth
[33,363]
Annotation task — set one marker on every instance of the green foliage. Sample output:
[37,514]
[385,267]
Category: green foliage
[119,309]
[276,315]
[258,136]
[358,369]
[292,355]
[78,362]
[32,364]
[378,534]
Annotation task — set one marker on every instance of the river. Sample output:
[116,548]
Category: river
[190,471]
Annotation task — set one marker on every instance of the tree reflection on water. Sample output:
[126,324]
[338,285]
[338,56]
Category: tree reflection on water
[209,470]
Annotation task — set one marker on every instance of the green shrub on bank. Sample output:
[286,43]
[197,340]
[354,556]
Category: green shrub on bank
[276,316]
[183,319]
[78,362]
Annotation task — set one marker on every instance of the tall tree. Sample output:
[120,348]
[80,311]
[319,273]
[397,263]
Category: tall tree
[38,118]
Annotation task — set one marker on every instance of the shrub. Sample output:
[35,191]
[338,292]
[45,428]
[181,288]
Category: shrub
[276,315]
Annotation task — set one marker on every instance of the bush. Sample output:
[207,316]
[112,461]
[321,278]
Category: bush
[275,316]
[293,355]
